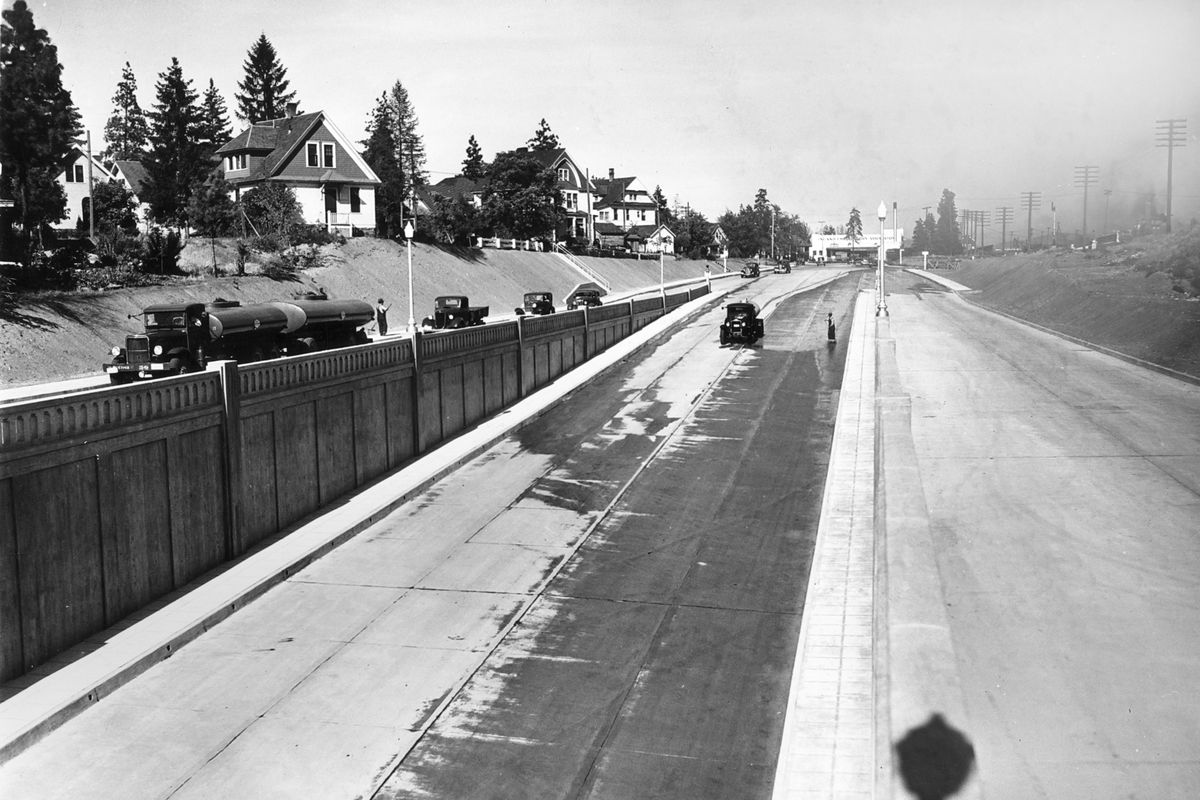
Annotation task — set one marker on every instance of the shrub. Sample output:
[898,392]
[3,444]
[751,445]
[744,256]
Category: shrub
[161,249]
[315,234]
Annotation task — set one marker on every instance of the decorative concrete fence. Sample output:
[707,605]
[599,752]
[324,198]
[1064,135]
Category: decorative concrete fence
[114,497]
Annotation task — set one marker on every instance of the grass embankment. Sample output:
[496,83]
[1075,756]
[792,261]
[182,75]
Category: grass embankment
[65,336]
[1122,298]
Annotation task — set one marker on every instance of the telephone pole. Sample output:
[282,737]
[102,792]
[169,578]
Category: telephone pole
[1107,194]
[1085,177]
[1030,200]
[1005,213]
[982,219]
[1170,135]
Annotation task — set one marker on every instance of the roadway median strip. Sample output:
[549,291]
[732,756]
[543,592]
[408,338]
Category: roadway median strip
[55,698]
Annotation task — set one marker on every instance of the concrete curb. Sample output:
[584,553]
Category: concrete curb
[917,655]
[56,698]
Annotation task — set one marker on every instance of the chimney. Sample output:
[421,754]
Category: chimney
[291,110]
[611,174]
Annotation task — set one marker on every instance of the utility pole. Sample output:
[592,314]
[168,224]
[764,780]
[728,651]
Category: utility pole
[1085,177]
[1107,193]
[1030,200]
[1005,213]
[1170,135]
[983,218]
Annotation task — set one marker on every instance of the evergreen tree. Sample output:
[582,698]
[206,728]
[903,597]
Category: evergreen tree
[382,154]
[126,131]
[38,122]
[176,160]
[411,152]
[473,166]
[854,226]
[213,130]
[947,240]
[662,214]
[264,91]
[543,138]
[920,237]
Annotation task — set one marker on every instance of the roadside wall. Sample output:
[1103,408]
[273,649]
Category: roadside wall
[115,497]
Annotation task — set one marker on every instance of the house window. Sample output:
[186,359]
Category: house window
[320,154]
[641,216]
[355,200]
[75,173]
[235,162]
[564,174]
[572,200]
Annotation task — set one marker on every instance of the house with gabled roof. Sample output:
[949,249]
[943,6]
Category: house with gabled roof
[74,180]
[576,188]
[309,154]
[624,202]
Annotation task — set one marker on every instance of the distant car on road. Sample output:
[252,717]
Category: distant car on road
[783,268]
[538,303]
[584,298]
[750,269]
[742,324]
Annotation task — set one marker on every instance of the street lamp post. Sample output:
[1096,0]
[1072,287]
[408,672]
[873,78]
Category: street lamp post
[412,320]
[881,309]
[662,274]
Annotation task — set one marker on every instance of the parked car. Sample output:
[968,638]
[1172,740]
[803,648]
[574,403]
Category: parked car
[750,269]
[454,311]
[538,303]
[742,324]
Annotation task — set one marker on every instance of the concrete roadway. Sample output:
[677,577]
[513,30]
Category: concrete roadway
[1063,493]
[606,604]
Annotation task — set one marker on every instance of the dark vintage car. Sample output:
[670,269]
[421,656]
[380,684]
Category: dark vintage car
[454,311]
[538,303]
[750,269]
[783,268]
[741,324]
[583,298]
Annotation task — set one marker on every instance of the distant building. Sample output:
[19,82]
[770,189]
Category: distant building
[839,247]
[624,202]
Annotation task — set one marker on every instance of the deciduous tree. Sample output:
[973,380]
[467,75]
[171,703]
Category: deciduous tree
[126,132]
[264,89]
[521,198]
[38,123]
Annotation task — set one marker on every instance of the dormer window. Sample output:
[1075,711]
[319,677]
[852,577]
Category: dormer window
[75,173]
[320,154]
[564,174]
[236,162]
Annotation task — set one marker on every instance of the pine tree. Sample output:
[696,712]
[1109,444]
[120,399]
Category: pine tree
[411,152]
[126,131]
[854,226]
[382,154]
[947,240]
[264,91]
[213,130]
[473,166]
[543,138]
[176,160]
[38,121]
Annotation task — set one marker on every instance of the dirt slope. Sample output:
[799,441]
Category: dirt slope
[1112,298]
[70,336]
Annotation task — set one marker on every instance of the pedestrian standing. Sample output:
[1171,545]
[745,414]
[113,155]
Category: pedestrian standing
[830,328]
[381,317]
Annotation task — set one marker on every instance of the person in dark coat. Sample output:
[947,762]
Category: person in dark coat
[381,317]
[830,328]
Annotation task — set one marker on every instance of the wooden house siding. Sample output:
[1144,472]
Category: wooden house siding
[297,169]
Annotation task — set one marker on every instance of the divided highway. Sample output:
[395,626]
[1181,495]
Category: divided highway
[605,604]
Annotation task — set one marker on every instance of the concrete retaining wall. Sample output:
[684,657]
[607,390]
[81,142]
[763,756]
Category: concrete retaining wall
[115,497]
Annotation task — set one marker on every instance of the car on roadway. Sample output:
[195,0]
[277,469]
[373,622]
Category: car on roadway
[750,269]
[783,268]
[742,324]
[537,303]
[583,298]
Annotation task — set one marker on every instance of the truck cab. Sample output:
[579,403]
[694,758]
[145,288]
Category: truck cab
[454,311]
[174,340]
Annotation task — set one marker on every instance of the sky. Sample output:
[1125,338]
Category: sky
[826,104]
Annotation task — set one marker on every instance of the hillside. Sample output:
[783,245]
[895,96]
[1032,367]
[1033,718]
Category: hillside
[1122,298]
[65,336]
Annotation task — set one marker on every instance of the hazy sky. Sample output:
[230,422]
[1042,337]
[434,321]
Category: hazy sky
[827,104]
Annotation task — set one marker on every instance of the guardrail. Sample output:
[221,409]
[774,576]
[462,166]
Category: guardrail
[121,495]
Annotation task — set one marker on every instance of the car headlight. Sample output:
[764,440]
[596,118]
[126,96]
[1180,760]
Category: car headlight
[116,351]
[158,350]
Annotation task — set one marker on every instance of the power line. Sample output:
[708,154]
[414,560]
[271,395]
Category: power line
[1170,134]
[1005,213]
[1030,200]
[1085,177]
